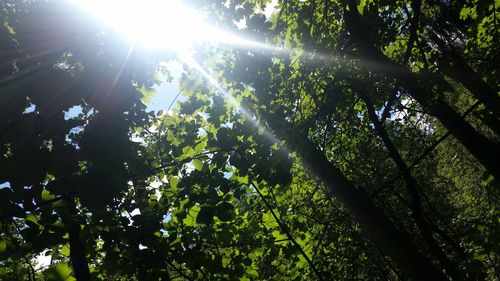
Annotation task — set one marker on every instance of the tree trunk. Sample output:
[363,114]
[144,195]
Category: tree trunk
[484,150]
[393,243]
[77,249]
[411,187]
[491,120]
[459,70]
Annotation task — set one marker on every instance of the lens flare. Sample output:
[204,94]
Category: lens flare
[152,23]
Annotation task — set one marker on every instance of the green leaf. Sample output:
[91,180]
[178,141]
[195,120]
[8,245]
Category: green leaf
[147,95]
[174,181]
[60,272]
[278,235]
[46,195]
[225,211]
[361,6]
[192,215]
[198,164]
[187,152]
[226,234]
[240,179]
[206,215]
[200,147]
[32,218]
[65,251]
[3,245]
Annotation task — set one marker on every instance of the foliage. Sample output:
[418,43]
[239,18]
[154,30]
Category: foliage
[330,158]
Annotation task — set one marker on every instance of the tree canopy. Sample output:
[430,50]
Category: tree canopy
[353,140]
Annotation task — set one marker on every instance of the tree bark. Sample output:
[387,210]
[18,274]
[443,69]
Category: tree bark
[411,187]
[394,243]
[484,150]
[77,249]
[491,120]
[459,70]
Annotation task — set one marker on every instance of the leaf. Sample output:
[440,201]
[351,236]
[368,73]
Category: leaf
[32,218]
[206,215]
[147,95]
[226,234]
[46,195]
[225,211]
[278,235]
[60,272]
[65,251]
[198,164]
[363,4]
[187,152]
[3,245]
[173,181]
[200,147]
[192,215]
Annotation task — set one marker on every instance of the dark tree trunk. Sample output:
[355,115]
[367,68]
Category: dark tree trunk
[491,120]
[77,249]
[411,187]
[459,70]
[393,243]
[484,150]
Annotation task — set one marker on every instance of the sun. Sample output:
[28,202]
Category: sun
[151,23]
[164,24]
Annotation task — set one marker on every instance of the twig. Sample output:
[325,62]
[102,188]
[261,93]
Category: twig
[285,229]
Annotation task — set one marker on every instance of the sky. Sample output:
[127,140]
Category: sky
[166,91]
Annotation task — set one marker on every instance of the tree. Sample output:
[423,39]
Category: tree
[357,150]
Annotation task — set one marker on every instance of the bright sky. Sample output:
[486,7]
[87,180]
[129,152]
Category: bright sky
[166,91]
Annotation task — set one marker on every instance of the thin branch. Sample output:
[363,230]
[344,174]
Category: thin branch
[412,189]
[285,229]
[424,154]
[409,48]
[241,245]
[23,211]
[180,272]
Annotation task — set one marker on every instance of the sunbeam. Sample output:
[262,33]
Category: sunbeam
[232,101]
[173,25]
